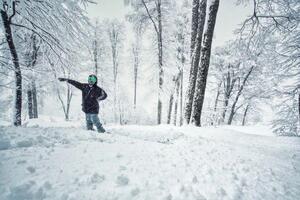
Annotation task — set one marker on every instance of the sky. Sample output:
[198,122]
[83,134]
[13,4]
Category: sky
[229,16]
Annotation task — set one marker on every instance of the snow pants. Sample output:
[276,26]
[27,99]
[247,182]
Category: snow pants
[93,119]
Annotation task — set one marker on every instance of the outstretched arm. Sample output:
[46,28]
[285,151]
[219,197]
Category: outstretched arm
[102,95]
[72,82]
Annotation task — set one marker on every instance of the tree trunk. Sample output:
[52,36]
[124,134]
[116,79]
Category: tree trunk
[160,62]
[18,76]
[217,97]
[113,34]
[30,103]
[195,58]
[181,100]
[204,65]
[66,108]
[229,84]
[183,60]
[69,98]
[245,115]
[170,108]
[233,111]
[215,118]
[195,21]
[176,99]
[34,100]
[135,71]
[32,94]
[135,81]
[171,101]
[96,56]
[299,106]
[158,30]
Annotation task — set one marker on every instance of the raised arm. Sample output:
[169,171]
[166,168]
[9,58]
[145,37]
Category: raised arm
[72,82]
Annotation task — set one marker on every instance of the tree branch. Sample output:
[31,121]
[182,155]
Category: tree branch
[151,18]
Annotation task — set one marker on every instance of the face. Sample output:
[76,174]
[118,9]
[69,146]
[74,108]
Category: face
[92,80]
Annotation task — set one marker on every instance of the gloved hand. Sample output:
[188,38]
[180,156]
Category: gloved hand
[62,79]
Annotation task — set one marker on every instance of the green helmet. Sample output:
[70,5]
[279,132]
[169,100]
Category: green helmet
[92,79]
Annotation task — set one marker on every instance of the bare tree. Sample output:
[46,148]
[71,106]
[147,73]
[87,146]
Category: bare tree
[157,25]
[204,64]
[69,94]
[115,30]
[245,115]
[136,50]
[279,20]
[35,17]
[177,98]
[7,24]
[240,90]
[181,37]
[198,21]
[171,101]
[31,59]
[229,81]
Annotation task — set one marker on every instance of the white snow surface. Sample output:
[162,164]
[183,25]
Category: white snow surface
[147,162]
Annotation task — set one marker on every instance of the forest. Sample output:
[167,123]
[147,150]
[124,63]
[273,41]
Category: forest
[149,99]
[157,65]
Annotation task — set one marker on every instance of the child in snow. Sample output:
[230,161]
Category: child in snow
[91,94]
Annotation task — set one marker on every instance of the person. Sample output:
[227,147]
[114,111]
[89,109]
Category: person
[91,94]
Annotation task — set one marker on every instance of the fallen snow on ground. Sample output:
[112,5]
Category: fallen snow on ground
[146,162]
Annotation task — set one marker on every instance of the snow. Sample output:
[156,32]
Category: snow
[64,161]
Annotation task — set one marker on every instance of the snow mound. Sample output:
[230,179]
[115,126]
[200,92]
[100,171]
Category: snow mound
[162,134]
[4,143]
[48,121]
[147,162]
[25,192]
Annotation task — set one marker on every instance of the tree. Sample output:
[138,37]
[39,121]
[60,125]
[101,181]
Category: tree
[136,51]
[279,20]
[31,60]
[65,104]
[240,90]
[198,20]
[239,71]
[99,47]
[42,18]
[115,31]
[181,52]
[204,64]
[157,25]
[7,24]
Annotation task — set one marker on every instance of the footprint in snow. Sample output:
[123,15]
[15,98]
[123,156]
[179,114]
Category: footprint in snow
[195,179]
[122,168]
[31,169]
[122,180]
[119,155]
[24,143]
[246,169]
[21,162]
[235,177]
[47,185]
[135,192]
[221,192]
[169,197]
[25,191]
[96,178]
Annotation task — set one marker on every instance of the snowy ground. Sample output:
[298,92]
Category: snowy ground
[144,162]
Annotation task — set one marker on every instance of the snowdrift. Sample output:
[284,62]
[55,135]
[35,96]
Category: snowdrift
[146,162]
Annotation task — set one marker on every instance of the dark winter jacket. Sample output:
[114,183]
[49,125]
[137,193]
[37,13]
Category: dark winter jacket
[90,96]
